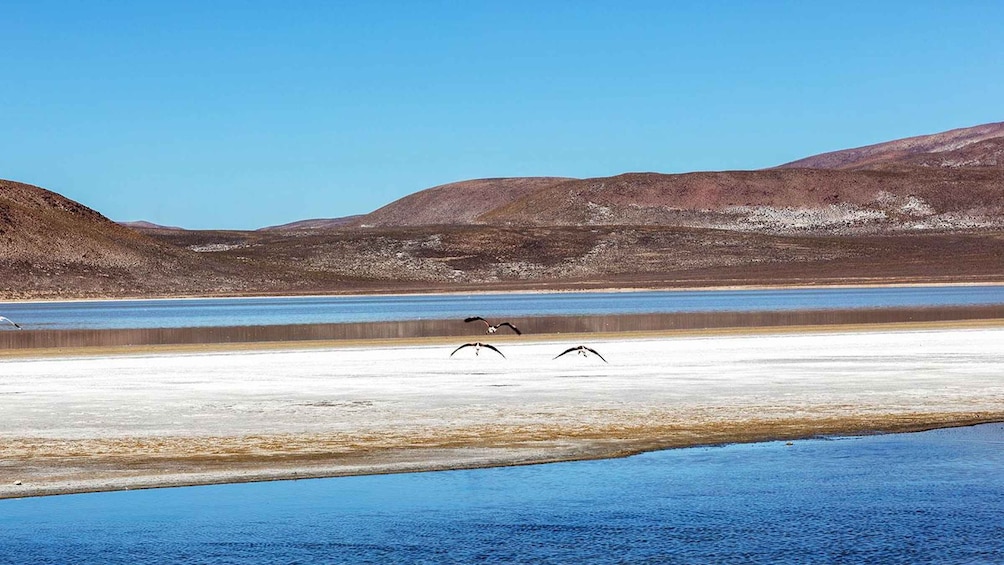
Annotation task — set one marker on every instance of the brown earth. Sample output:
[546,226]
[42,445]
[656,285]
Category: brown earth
[926,209]
[779,201]
[456,203]
[977,146]
[468,257]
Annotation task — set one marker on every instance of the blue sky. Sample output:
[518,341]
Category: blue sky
[239,115]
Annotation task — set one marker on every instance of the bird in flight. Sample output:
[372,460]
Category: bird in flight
[477,345]
[8,320]
[492,329]
[582,350]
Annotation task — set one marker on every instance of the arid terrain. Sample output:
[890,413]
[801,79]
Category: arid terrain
[113,409]
[111,422]
[924,209]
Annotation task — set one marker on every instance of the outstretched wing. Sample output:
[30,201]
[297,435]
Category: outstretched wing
[461,347]
[569,350]
[594,352]
[493,348]
[8,320]
[514,328]
[475,319]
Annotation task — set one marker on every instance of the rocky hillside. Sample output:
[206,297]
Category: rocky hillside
[51,246]
[928,209]
[979,146]
[315,224]
[45,237]
[947,181]
[772,201]
[456,203]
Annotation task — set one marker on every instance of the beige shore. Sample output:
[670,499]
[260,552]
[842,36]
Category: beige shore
[182,416]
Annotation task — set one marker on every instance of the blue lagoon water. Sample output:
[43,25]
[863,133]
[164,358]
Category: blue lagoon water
[340,309]
[931,497]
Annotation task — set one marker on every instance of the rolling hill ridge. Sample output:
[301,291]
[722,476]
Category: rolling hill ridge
[923,209]
[948,181]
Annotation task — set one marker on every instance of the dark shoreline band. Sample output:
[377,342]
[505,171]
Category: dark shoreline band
[77,338]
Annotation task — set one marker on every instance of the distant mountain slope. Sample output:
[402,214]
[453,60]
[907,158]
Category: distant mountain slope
[922,209]
[769,201]
[51,246]
[145,225]
[456,203]
[978,146]
[314,224]
[953,180]
[37,224]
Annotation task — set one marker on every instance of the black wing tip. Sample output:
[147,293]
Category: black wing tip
[569,350]
[493,348]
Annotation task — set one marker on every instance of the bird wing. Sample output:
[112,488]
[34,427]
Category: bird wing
[6,319]
[514,328]
[594,352]
[475,319]
[569,350]
[493,348]
[461,347]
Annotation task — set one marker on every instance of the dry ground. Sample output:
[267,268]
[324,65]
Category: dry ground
[74,424]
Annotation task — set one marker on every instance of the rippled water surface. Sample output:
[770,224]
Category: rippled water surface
[931,497]
[343,309]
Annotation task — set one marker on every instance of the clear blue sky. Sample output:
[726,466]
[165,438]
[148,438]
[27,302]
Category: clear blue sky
[243,114]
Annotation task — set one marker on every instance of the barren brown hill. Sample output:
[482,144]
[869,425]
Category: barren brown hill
[456,203]
[54,247]
[314,224]
[553,257]
[929,211]
[50,245]
[963,147]
[145,225]
[36,223]
[771,201]
[948,181]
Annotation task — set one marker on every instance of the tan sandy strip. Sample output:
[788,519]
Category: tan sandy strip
[48,467]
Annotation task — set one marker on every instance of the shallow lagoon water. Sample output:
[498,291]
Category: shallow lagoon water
[203,312]
[930,497]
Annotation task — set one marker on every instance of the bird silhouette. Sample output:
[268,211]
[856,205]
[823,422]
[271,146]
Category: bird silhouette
[477,345]
[581,350]
[492,329]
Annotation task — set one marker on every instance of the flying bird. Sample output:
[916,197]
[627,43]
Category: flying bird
[6,319]
[492,329]
[477,345]
[582,350]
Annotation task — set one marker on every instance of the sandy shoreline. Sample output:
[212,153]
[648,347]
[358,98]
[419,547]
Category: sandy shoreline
[165,418]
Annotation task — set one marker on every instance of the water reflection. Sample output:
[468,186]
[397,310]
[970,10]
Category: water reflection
[31,339]
[263,311]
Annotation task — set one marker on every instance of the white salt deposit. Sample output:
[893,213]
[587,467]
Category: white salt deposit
[421,387]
